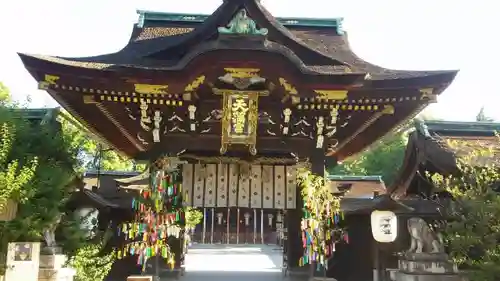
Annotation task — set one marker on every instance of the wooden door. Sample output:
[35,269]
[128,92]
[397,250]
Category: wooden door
[23,259]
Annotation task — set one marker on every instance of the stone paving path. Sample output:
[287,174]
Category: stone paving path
[233,262]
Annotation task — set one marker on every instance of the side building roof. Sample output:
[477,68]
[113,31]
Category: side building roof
[434,147]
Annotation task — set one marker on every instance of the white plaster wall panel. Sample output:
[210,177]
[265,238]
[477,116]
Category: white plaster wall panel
[279,187]
[233,186]
[267,187]
[256,187]
[199,182]
[210,185]
[244,186]
[222,183]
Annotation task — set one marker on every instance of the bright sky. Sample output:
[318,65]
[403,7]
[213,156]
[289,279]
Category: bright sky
[404,34]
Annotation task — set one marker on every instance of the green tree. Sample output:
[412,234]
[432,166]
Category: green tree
[473,234]
[193,217]
[91,149]
[90,263]
[4,94]
[383,159]
[41,160]
[38,169]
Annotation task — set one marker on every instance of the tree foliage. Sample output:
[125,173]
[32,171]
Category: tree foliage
[473,234]
[193,217]
[93,151]
[37,170]
[90,265]
[39,165]
[383,159]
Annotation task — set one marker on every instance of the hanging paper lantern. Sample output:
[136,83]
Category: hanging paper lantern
[384,226]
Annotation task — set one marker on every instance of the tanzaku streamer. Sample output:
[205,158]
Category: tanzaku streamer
[158,216]
[321,228]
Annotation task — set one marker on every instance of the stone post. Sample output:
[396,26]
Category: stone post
[52,266]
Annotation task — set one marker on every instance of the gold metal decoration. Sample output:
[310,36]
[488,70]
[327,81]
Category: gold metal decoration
[332,94]
[134,99]
[151,89]
[320,125]
[291,91]
[89,99]
[288,87]
[193,86]
[239,118]
[51,79]
[47,81]
[242,72]
[388,109]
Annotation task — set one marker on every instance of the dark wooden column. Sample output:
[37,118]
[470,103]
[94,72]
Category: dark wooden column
[294,218]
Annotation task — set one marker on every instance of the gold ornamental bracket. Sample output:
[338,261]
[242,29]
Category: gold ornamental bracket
[192,87]
[242,72]
[332,94]
[151,89]
[290,91]
[239,118]
[48,80]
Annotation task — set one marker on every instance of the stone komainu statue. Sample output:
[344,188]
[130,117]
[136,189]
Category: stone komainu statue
[423,238]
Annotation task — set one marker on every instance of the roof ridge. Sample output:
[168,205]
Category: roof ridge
[145,15]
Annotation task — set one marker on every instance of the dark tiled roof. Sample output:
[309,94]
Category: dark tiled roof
[326,43]
[404,207]
[447,141]
[462,129]
[321,49]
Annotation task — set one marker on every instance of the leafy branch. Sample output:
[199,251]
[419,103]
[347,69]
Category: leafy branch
[473,234]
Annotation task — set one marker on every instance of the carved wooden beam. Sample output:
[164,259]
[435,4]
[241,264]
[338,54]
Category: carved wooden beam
[179,143]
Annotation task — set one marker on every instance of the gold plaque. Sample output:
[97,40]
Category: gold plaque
[239,119]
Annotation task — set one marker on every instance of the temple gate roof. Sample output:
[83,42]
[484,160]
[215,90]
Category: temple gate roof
[313,92]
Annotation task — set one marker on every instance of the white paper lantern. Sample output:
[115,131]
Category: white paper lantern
[384,226]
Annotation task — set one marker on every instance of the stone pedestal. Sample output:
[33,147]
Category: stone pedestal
[426,267]
[52,268]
